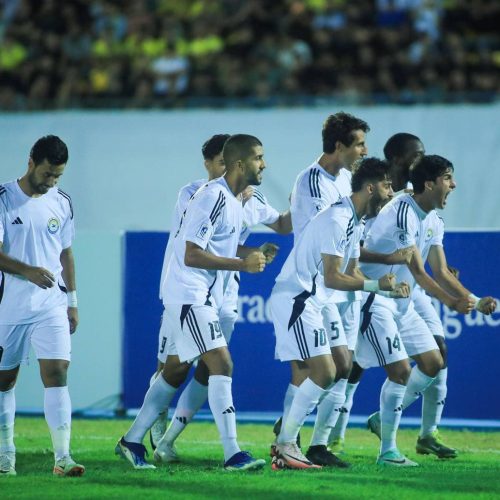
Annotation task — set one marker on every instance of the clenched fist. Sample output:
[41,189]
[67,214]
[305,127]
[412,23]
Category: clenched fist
[387,282]
[254,262]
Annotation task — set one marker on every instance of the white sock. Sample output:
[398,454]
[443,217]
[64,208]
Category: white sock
[220,399]
[306,399]
[163,416]
[191,400]
[391,400]
[417,384]
[57,408]
[156,401]
[341,425]
[291,390]
[7,415]
[328,413]
[433,404]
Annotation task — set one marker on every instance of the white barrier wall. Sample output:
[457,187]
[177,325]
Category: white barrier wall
[125,170]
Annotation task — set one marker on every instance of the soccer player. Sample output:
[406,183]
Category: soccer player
[391,329]
[327,247]
[401,151]
[320,185]
[214,164]
[38,304]
[256,210]
[205,249]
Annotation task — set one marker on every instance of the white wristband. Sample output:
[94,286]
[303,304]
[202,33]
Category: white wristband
[370,286]
[476,299]
[72,300]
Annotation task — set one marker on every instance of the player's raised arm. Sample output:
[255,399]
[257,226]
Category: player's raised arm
[462,304]
[448,281]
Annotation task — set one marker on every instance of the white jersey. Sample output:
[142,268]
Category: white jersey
[213,221]
[334,231]
[314,190]
[34,231]
[185,194]
[401,224]
[257,211]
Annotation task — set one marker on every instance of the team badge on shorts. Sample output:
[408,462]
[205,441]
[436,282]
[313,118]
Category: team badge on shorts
[53,225]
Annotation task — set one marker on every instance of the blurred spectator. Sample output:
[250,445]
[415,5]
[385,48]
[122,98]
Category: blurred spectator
[150,53]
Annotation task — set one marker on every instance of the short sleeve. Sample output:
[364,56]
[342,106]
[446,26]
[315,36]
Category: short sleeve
[334,241]
[438,233]
[203,215]
[406,230]
[3,214]
[68,225]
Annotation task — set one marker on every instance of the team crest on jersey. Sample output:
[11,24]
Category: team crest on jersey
[202,232]
[53,225]
[429,234]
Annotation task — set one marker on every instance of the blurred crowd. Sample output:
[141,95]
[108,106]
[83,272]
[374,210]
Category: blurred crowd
[163,53]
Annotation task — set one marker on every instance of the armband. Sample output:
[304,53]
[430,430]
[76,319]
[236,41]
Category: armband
[370,286]
[72,300]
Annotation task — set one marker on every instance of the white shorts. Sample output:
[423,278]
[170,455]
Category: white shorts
[387,335]
[194,330]
[426,310]
[299,329]
[350,313]
[162,340]
[334,325]
[49,337]
[227,319]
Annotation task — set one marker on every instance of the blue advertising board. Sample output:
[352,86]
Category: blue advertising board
[259,381]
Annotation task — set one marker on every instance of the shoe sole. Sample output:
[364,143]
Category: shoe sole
[75,471]
[257,465]
[297,464]
[165,460]
[385,463]
[427,451]
[123,454]
[8,473]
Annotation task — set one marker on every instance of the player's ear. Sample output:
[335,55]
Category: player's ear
[429,185]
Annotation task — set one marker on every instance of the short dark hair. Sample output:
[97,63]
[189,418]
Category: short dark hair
[341,127]
[214,146]
[50,148]
[369,170]
[429,168]
[239,147]
[395,145]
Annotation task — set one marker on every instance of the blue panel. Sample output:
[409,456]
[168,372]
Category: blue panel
[260,382]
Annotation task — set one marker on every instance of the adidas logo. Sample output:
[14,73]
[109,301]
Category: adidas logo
[17,221]
[398,409]
[182,420]
[229,410]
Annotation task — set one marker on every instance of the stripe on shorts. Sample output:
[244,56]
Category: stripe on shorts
[372,338]
[194,329]
[298,329]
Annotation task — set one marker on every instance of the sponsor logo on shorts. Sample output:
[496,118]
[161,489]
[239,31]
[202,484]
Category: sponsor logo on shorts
[53,225]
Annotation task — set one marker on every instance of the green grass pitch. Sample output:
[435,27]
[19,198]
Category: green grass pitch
[474,474]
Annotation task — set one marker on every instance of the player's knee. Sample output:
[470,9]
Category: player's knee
[400,374]
[175,374]
[443,349]
[431,364]
[356,373]
[8,379]
[343,362]
[54,372]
